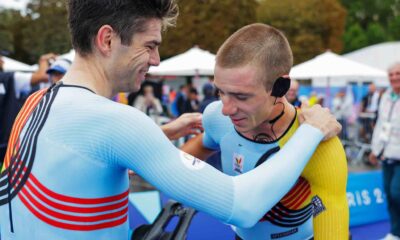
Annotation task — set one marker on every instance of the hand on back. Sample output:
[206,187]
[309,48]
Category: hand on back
[320,118]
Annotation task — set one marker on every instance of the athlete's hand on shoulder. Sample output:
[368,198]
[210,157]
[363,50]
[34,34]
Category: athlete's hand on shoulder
[320,118]
[186,124]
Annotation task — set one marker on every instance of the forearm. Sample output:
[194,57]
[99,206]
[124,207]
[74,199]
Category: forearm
[168,131]
[40,75]
[376,145]
[196,148]
[197,184]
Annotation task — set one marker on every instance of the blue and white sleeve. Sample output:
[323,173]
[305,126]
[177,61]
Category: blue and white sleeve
[140,145]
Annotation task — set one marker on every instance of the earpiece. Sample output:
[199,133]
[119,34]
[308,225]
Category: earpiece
[281,86]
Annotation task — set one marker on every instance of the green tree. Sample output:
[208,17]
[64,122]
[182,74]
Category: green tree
[46,29]
[393,28]
[311,26]
[376,33]
[6,41]
[366,11]
[206,23]
[11,23]
[355,38]
[378,19]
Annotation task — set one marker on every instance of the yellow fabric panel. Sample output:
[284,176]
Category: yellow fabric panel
[327,175]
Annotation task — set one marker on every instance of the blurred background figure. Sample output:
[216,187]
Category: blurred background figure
[342,109]
[313,99]
[292,95]
[209,96]
[15,87]
[386,147]
[171,95]
[58,69]
[368,113]
[192,102]
[178,105]
[149,104]
[1,64]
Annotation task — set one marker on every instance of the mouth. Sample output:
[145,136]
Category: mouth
[144,71]
[142,74]
[237,121]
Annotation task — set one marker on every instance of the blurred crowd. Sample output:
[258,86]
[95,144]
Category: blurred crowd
[163,103]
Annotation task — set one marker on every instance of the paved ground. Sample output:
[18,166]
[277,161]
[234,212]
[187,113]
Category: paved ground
[373,231]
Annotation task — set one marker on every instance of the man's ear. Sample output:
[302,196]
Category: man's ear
[104,38]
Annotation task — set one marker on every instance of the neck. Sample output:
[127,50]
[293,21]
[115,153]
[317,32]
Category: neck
[277,128]
[89,72]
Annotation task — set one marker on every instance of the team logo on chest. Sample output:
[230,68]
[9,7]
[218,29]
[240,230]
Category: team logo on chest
[238,161]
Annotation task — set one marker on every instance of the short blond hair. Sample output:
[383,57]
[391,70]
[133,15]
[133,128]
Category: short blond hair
[259,45]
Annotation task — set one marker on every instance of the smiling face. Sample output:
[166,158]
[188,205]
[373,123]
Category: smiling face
[394,78]
[130,63]
[244,97]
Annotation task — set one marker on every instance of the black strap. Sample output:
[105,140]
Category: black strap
[156,231]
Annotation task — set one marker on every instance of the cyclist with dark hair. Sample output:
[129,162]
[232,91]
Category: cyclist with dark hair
[79,189]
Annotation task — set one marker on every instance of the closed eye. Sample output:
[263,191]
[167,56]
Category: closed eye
[241,97]
[151,47]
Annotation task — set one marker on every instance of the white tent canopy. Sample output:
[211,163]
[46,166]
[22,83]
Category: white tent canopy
[382,55]
[69,55]
[332,65]
[11,65]
[193,62]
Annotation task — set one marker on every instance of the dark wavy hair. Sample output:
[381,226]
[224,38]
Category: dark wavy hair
[126,17]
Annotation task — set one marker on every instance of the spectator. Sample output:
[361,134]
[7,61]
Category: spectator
[171,95]
[178,106]
[192,102]
[368,113]
[15,87]
[292,94]
[313,99]
[342,110]
[58,69]
[386,147]
[209,96]
[148,103]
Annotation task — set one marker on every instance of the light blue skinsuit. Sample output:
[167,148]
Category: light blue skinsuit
[65,173]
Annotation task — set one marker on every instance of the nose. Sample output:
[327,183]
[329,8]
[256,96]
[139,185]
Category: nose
[154,58]
[228,106]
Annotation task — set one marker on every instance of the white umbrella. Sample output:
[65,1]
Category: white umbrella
[11,65]
[69,55]
[193,62]
[331,65]
[382,55]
